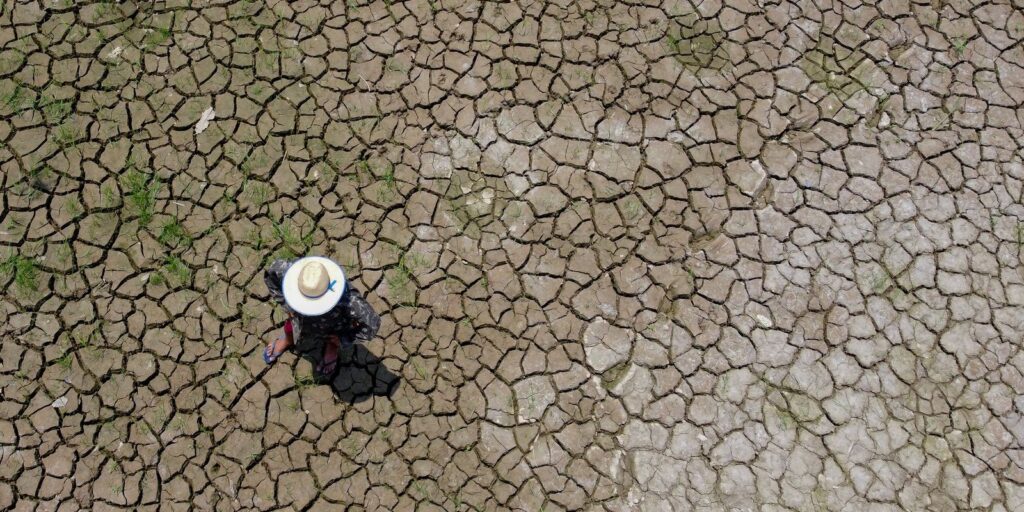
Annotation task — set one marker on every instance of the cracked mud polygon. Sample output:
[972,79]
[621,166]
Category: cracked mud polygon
[628,256]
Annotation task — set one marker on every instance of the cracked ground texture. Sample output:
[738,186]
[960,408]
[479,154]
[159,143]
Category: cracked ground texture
[628,255]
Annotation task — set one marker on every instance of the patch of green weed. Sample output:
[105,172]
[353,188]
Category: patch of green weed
[56,111]
[66,361]
[66,134]
[173,234]
[293,242]
[141,190]
[959,46]
[24,270]
[175,268]
[257,192]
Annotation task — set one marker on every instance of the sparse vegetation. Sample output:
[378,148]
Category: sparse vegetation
[946,114]
[16,99]
[362,167]
[419,369]
[66,134]
[389,190]
[513,211]
[418,486]
[880,283]
[255,161]
[154,38]
[38,179]
[959,45]
[133,293]
[840,72]
[56,111]
[109,195]
[66,361]
[141,191]
[394,65]
[63,253]
[632,208]
[175,268]
[400,277]
[293,242]
[251,458]
[73,207]
[174,271]
[24,271]
[458,214]
[257,192]
[697,43]
[304,381]
[173,234]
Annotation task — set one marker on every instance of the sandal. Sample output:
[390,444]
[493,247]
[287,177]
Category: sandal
[270,354]
[326,367]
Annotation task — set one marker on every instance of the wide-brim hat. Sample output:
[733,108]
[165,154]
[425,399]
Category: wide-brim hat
[315,291]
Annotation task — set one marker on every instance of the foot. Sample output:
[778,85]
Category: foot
[274,350]
[329,361]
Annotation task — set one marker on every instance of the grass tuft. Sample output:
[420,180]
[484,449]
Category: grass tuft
[399,281]
[24,270]
[257,192]
[173,234]
[959,45]
[66,361]
[66,135]
[141,194]
[56,111]
[304,381]
[155,38]
[293,241]
[177,269]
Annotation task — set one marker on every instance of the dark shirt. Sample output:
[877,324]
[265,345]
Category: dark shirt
[352,317]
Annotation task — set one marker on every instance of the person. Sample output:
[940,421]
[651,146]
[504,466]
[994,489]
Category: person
[321,307]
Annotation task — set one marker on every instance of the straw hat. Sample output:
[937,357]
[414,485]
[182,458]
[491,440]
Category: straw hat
[313,285]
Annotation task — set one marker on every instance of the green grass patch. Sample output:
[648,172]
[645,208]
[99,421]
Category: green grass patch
[175,268]
[56,111]
[24,271]
[73,207]
[408,262]
[173,271]
[66,134]
[140,194]
[959,46]
[66,361]
[632,209]
[17,99]
[304,382]
[399,280]
[389,189]
[257,192]
[293,242]
[155,38]
[173,234]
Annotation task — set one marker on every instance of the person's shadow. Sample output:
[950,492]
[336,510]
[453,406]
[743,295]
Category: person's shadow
[360,374]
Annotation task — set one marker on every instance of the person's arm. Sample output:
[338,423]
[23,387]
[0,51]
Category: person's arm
[273,277]
[365,321]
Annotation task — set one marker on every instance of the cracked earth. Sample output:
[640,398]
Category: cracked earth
[628,255]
